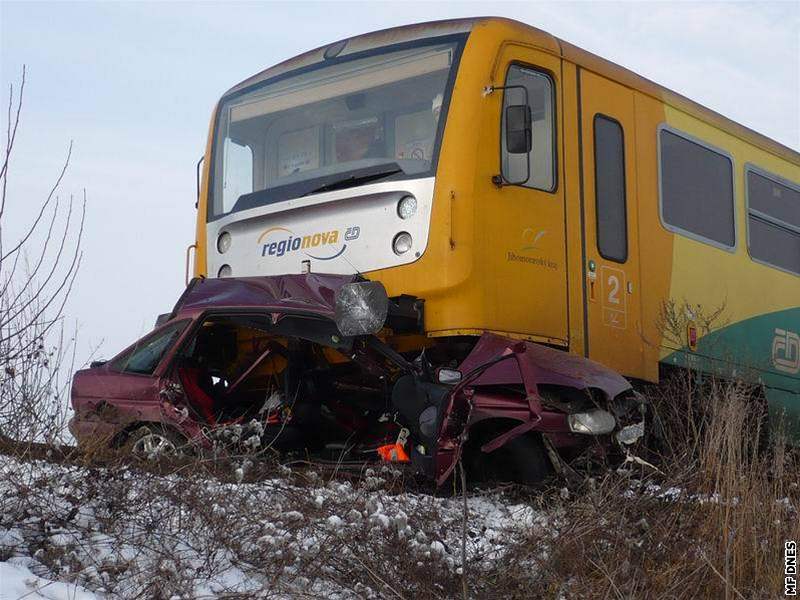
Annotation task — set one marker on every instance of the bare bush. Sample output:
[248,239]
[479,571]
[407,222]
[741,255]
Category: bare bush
[713,526]
[239,527]
[37,271]
[136,533]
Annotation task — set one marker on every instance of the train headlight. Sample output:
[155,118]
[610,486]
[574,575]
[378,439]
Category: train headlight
[407,207]
[402,243]
[361,308]
[225,271]
[224,242]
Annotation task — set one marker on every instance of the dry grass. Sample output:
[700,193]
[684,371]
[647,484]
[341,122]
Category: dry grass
[710,524]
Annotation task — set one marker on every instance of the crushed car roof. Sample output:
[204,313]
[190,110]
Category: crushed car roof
[309,293]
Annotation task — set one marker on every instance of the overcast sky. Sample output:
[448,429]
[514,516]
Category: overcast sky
[133,84]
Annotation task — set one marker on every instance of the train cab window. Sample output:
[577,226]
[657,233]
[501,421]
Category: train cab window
[773,220]
[609,176]
[537,168]
[696,190]
[375,114]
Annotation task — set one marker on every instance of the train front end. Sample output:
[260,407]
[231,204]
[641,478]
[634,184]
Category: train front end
[327,163]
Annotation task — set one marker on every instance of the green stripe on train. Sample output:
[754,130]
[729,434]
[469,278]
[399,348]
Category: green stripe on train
[763,349]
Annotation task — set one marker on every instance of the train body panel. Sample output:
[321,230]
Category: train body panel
[606,250]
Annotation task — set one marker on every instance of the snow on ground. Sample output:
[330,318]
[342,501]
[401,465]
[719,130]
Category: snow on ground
[68,531]
[246,529]
[16,582]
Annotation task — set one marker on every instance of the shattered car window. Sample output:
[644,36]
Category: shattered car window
[291,378]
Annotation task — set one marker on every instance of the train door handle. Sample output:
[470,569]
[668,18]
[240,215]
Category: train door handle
[591,276]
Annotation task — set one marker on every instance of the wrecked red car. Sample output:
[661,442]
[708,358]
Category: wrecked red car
[316,364]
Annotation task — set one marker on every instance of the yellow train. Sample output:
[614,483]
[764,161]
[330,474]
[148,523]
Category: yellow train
[500,179]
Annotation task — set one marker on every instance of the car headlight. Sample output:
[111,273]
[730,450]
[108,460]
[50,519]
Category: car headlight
[225,271]
[402,243]
[595,422]
[407,207]
[223,242]
[361,308]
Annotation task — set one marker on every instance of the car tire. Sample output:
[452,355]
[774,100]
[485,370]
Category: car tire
[523,460]
[153,442]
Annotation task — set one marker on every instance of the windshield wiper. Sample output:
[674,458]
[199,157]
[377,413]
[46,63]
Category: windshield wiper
[332,181]
[356,179]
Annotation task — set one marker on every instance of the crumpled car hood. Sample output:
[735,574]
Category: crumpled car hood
[546,365]
[310,293]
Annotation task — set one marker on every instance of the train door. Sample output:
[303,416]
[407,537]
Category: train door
[522,207]
[611,269]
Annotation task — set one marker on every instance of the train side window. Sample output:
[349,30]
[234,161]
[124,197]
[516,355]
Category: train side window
[696,190]
[773,220]
[541,158]
[238,178]
[609,177]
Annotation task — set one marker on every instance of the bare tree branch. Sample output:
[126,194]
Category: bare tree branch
[37,275]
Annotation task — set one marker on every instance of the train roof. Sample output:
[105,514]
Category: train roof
[546,42]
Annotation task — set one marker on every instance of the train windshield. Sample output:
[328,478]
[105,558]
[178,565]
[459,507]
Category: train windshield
[348,121]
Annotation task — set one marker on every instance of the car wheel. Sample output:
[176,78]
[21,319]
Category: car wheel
[152,442]
[523,460]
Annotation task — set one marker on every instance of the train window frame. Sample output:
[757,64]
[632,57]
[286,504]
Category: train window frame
[289,192]
[752,168]
[554,127]
[624,258]
[732,249]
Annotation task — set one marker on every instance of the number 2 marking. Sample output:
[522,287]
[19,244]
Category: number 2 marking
[613,292]
[613,308]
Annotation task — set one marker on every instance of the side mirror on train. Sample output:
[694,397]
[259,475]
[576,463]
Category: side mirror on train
[519,136]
